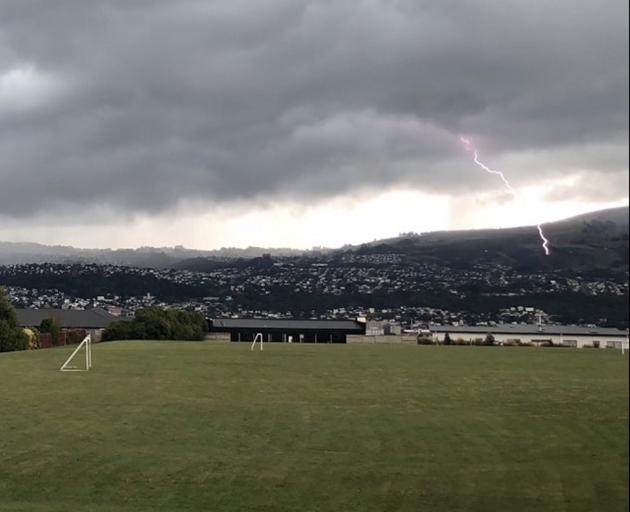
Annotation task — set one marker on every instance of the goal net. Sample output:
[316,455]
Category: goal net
[81,359]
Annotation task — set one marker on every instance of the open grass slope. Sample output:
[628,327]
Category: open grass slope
[197,426]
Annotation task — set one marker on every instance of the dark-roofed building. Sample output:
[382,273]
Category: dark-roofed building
[565,335]
[291,331]
[93,321]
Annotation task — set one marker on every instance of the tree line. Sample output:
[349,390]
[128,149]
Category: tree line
[159,324]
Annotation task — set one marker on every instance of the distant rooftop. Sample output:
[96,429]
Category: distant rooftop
[565,330]
[264,324]
[73,319]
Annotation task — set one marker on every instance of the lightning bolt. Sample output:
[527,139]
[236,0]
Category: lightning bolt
[470,147]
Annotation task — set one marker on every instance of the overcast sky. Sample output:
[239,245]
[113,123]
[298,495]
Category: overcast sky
[301,123]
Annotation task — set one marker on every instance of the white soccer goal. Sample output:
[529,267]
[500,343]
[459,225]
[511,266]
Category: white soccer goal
[258,337]
[86,344]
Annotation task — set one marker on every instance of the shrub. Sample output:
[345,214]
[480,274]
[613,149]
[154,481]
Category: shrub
[159,324]
[425,340]
[32,336]
[120,330]
[12,336]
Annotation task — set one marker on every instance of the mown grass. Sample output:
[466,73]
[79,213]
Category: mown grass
[198,426]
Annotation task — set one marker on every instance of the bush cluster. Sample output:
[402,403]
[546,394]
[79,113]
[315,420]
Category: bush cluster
[12,336]
[159,324]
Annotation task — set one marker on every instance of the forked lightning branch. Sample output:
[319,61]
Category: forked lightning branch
[470,147]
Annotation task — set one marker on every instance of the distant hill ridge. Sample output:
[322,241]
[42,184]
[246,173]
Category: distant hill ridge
[157,257]
[587,241]
[596,240]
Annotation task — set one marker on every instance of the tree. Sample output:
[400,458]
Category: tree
[12,337]
[489,339]
[159,324]
[447,340]
[120,330]
[7,312]
[52,327]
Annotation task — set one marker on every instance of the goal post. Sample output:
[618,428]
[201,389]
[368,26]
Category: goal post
[86,344]
[258,337]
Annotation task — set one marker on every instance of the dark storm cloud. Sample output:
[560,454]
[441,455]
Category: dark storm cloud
[143,104]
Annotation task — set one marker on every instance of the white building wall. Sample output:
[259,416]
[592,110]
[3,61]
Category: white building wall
[579,341]
[374,328]
[96,334]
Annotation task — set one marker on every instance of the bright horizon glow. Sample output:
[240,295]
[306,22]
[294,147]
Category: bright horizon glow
[332,224]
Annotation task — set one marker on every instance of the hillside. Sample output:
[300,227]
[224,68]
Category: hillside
[593,242]
[587,243]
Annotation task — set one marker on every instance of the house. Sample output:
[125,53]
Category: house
[93,321]
[292,331]
[382,328]
[562,335]
[373,328]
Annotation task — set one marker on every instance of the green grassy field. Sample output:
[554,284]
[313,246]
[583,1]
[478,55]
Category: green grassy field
[199,426]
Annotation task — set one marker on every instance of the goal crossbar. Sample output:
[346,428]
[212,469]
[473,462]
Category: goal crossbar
[87,343]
